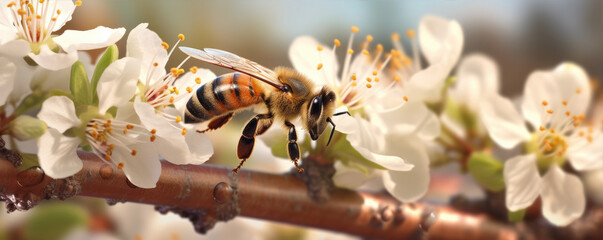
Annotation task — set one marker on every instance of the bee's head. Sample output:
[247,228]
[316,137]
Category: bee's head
[318,111]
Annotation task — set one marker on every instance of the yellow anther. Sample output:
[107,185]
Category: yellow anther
[376,79]
[53,19]
[337,42]
[581,133]
[578,91]
[396,78]
[368,79]
[120,165]
[180,71]
[567,113]
[576,124]
[58,11]
[374,73]
[379,48]
[176,91]
[319,66]
[155,64]
[354,29]
[194,69]
[350,51]
[365,52]
[181,37]
[544,103]
[108,152]
[165,45]
[153,137]
[368,85]
[125,131]
[153,131]
[395,36]
[369,38]
[410,33]
[28,18]
[353,77]
[38,16]
[189,89]
[21,11]
[589,138]
[108,158]
[552,130]
[172,99]
[354,84]
[30,6]
[78,3]
[550,111]
[183,131]
[178,119]
[581,117]
[542,128]
[133,152]
[174,70]
[548,147]
[11,4]
[129,126]
[319,48]
[198,80]
[564,102]
[405,98]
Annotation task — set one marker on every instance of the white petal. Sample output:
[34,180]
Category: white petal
[53,61]
[7,78]
[426,85]
[569,78]
[174,150]
[58,112]
[21,88]
[117,85]
[15,48]
[408,186]
[586,155]
[48,80]
[99,37]
[431,127]
[7,34]
[540,86]
[142,170]
[145,45]
[350,177]
[66,8]
[305,58]
[439,37]
[344,123]
[58,154]
[410,118]
[505,126]
[477,76]
[522,181]
[188,80]
[563,198]
[200,147]
[154,120]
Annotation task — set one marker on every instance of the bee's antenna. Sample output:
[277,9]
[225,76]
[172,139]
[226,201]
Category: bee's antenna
[332,130]
[340,113]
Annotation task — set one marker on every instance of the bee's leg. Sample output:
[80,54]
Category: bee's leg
[217,122]
[292,148]
[247,140]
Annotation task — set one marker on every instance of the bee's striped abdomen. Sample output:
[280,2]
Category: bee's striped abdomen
[224,94]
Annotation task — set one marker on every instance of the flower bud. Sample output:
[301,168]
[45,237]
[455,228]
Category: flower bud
[26,127]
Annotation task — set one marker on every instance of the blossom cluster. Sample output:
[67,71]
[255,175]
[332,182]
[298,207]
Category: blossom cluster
[406,117]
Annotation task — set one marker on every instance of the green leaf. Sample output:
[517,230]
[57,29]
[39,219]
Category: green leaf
[79,85]
[487,170]
[53,221]
[29,161]
[516,216]
[110,55]
[33,100]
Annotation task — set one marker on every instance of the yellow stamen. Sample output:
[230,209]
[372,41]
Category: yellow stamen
[133,152]
[120,165]
[178,119]
[172,99]
[153,131]
[564,102]
[405,98]
[369,38]
[379,48]
[108,158]
[368,79]
[153,137]
[198,80]
[567,113]
[193,69]
[581,133]
[319,48]
[350,51]
[552,130]
[183,131]
[165,45]
[181,37]
[410,33]
[368,85]
[542,128]
[395,36]
[189,89]
[374,73]
[354,84]
[155,64]
[397,78]
[589,138]
[550,111]
[578,91]
[78,3]
[365,52]
[319,66]
[353,77]
[354,29]
[544,103]
[376,79]
[11,4]
[129,126]
[337,42]
[111,146]
[58,11]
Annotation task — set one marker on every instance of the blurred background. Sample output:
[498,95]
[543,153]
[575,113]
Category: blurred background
[521,36]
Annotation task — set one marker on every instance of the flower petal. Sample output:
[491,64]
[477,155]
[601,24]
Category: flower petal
[574,86]
[99,37]
[305,58]
[117,85]
[189,80]
[53,61]
[58,154]
[584,154]
[540,86]
[351,177]
[505,126]
[477,76]
[15,48]
[408,186]
[412,117]
[344,123]
[563,198]
[145,45]
[59,113]
[142,170]
[7,78]
[154,120]
[439,38]
[426,85]
[522,181]
[200,147]
[67,8]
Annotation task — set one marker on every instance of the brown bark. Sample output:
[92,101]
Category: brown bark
[219,194]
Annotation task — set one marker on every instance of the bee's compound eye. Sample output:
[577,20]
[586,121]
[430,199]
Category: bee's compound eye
[316,106]
[286,88]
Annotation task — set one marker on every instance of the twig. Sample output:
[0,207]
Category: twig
[281,198]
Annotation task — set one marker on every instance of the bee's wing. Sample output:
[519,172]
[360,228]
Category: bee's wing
[234,62]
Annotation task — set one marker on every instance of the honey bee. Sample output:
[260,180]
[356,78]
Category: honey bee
[286,93]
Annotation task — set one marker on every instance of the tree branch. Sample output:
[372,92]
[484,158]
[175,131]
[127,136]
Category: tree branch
[283,198]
